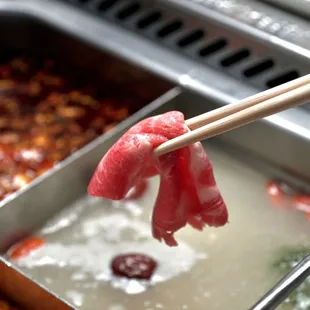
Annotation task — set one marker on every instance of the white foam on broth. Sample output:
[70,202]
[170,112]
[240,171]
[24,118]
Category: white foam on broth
[220,268]
[96,241]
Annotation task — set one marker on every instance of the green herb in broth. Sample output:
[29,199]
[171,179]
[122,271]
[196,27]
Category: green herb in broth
[300,298]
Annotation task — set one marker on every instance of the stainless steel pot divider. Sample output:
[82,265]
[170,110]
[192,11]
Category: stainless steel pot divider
[285,286]
[196,39]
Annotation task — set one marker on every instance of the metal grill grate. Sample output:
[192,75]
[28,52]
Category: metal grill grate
[205,42]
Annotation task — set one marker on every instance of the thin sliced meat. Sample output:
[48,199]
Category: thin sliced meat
[187,192]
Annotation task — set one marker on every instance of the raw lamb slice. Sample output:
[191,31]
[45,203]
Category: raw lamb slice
[187,192]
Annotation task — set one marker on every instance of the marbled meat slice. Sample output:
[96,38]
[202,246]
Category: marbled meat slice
[188,192]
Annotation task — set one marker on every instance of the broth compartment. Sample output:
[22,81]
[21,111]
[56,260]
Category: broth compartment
[47,112]
[81,242]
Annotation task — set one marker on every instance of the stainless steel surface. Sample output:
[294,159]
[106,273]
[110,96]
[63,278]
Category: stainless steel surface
[301,7]
[35,297]
[198,18]
[282,140]
[290,129]
[283,29]
[265,32]
[285,286]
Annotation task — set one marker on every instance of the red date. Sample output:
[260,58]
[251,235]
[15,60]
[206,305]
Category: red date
[133,266]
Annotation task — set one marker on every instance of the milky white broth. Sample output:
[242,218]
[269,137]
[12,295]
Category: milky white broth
[223,268]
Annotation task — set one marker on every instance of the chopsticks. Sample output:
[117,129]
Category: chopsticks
[246,111]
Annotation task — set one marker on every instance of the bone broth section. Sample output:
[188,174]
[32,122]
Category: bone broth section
[48,111]
[81,242]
